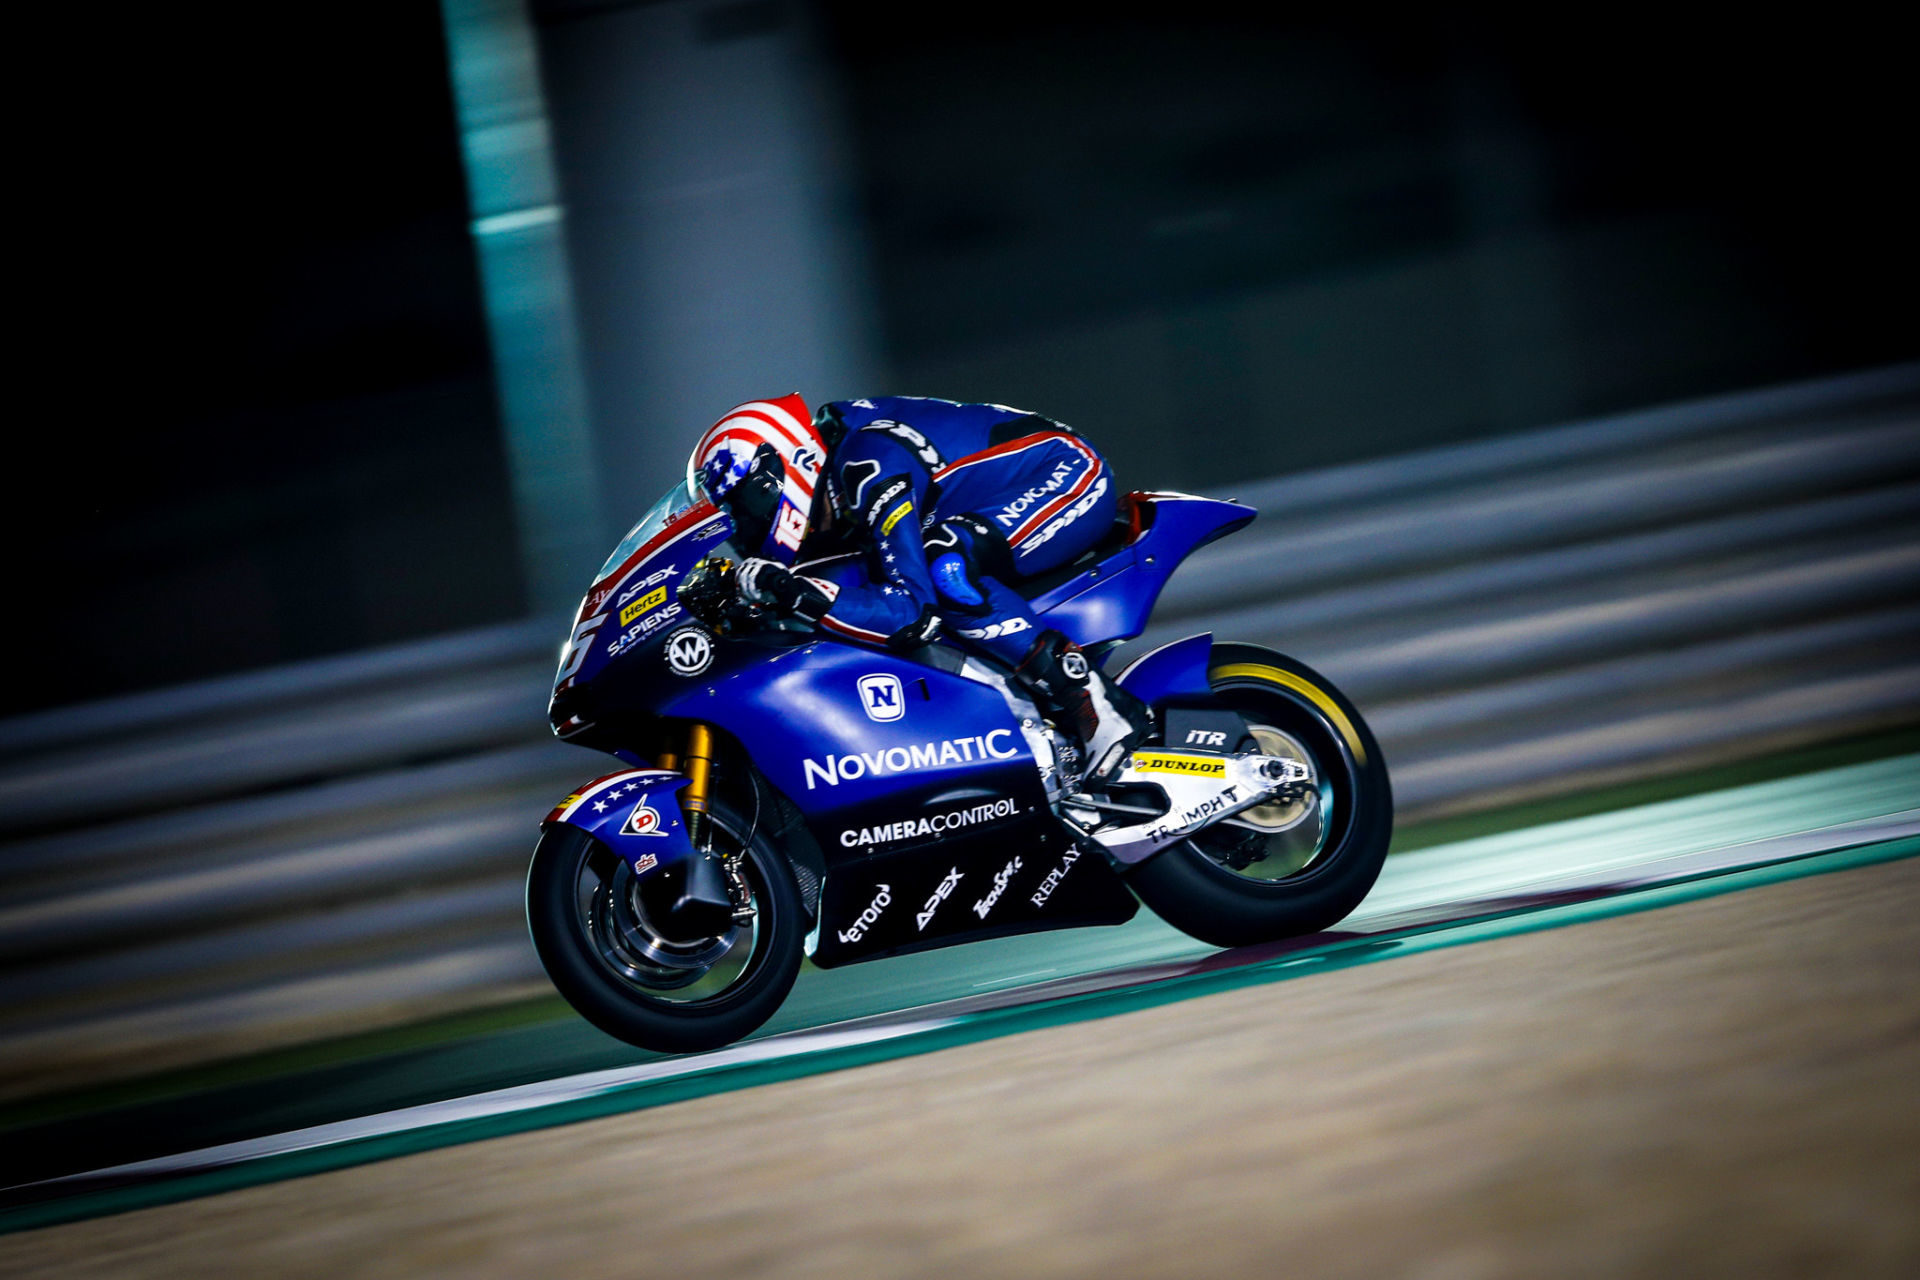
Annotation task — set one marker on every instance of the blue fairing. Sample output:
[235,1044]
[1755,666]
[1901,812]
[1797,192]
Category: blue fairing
[1113,599]
[1173,670]
[631,614]
[840,729]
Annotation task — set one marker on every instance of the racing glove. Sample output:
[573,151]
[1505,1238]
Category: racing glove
[920,631]
[773,586]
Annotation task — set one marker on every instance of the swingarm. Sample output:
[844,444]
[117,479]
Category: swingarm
[1202,788]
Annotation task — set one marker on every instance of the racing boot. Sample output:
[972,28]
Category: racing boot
[1079,698]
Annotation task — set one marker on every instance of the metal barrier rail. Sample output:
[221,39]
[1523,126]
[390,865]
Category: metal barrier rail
[286,853]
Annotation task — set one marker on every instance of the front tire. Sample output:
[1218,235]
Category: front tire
[593,929]
[1283,870]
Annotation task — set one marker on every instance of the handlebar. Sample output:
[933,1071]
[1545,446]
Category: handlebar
[711,592]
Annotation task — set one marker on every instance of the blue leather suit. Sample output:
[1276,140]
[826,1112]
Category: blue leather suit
[953,502]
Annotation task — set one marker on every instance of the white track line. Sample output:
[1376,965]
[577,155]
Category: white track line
[496,1102]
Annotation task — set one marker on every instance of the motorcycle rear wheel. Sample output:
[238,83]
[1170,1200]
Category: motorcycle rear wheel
[594,934]
[1282,870]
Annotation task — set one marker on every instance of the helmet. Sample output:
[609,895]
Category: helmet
[761,462]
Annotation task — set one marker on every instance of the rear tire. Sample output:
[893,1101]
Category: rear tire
[1194,886]
[591,928]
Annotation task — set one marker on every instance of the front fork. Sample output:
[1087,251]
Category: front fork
[698,767]
[699,771]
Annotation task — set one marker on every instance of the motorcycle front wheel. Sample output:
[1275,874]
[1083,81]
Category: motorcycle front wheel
[1280,869]
[598,930]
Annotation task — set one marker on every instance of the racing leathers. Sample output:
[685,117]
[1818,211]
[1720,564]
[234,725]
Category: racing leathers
[950,503]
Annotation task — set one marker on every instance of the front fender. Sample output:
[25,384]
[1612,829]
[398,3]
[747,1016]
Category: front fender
[635,812]
[1173,670]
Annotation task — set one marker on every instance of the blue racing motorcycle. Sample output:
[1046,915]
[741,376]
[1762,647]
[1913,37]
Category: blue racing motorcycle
[788,793]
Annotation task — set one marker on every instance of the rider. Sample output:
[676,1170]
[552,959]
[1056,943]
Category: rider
[933,509]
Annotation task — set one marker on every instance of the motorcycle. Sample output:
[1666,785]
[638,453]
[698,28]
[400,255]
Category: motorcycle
[790,793]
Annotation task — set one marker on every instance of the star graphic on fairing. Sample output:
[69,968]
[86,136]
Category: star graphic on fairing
[599,806]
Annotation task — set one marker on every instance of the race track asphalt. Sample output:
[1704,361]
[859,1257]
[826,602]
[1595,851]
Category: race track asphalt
[1679,839]
[1722,1086]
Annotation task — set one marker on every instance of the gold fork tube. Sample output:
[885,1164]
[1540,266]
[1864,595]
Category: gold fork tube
[699,769]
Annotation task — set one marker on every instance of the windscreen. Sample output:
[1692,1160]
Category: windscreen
[659,515]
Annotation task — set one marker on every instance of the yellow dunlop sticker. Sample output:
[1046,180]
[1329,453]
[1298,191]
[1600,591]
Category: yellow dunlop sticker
[656,596]
[894,518]
[1164,762]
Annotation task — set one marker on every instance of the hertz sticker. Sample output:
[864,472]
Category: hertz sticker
[654,597]
[1163,762]
[894,518]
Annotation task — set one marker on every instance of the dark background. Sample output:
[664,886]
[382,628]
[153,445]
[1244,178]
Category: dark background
[267,427]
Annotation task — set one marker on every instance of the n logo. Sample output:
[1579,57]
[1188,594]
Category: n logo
[880,696]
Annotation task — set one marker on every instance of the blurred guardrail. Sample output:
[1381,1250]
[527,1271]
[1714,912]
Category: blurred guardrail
[319,847]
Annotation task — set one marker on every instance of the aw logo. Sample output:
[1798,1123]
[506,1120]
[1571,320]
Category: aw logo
[689,651]
[881,697]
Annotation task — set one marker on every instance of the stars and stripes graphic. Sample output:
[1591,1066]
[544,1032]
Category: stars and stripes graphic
[784,424]
[604,794]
